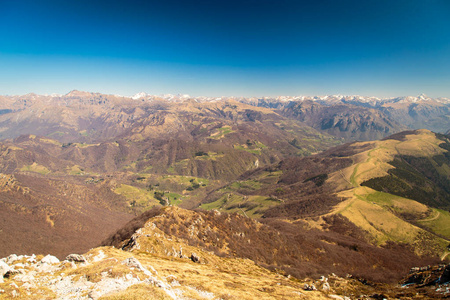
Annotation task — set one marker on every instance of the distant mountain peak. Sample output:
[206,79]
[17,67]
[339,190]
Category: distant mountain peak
[76,93]
[140,95]
[424,97]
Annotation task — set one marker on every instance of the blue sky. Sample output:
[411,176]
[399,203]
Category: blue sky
[215,48]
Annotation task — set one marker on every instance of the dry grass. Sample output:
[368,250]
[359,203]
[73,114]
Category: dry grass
[225,278]
[375,162]
[381,214]
[138,292]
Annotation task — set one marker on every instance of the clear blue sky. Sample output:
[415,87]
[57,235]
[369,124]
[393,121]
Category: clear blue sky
[214,48]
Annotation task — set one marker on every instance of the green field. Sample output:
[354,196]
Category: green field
[438,222]
[75,170]
[137,197]
[35,168]
[250,206]
[252,147]
[221,133]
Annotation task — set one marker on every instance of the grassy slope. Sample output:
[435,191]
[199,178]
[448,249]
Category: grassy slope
[250,206]
[383,215]
[232,200]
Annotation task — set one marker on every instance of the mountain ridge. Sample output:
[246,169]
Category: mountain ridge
[366,118]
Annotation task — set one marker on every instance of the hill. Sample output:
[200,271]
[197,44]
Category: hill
[339,247]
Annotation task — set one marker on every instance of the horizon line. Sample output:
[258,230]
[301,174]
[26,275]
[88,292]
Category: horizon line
[222,96]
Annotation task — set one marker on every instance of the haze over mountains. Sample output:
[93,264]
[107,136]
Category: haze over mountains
[302,186]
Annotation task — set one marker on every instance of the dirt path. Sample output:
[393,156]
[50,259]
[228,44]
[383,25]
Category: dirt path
[432,218]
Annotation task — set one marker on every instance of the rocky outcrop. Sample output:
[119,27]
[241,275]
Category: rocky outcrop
[428,275]
[4,268]
[431,280]
[76,258]
[27,275]
[123,275]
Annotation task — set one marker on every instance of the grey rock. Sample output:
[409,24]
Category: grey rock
[12,258]
[309,287]
[4,268]
[12,272]
[32,259]
[50,259]
[133,262]
[78,258]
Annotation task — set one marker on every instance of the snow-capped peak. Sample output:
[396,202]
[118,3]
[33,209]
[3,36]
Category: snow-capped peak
[139,95]
[423,97]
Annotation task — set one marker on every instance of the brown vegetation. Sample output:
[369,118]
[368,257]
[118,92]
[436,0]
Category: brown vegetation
[293,247]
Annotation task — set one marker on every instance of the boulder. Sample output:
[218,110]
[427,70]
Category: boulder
[309,287]
[50,259]
[25,277]
[134,263]
[76,258]
[13,272]
[4,268]
[32,259]
[194,257]
[12,258]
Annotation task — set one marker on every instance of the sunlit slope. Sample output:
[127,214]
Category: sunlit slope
[291,246]
[374,203]
[360,182]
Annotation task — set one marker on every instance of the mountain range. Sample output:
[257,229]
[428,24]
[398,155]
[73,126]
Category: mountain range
[356,189]
[84,116]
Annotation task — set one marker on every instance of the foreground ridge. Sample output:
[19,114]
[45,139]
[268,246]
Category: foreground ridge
[109,273]
[152,264]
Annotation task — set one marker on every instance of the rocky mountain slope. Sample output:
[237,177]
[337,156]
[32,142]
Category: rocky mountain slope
[107,273]
[348,121]
[155,264]
[293,247]
[364,118]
